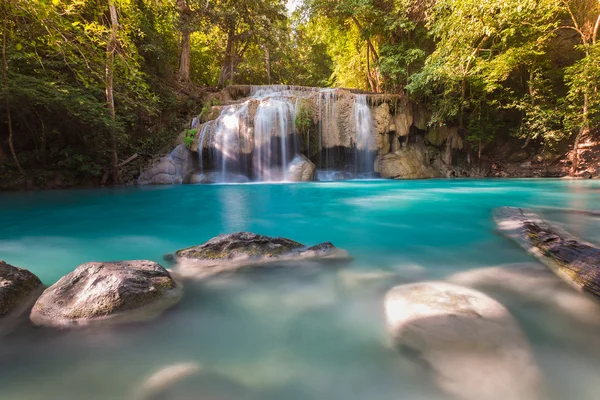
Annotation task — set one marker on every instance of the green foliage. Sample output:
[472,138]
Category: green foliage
[304,117]
[189,137]
[529,68]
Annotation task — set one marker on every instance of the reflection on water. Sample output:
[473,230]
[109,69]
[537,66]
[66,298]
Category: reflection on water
[292,333]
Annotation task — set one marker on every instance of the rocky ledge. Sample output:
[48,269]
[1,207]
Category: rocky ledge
[19,289]
[574,260]
[470,345]
[227,253]
[107,292]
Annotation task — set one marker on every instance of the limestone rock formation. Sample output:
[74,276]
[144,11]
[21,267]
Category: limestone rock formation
[301,169]
[169,170]
[574,260]
[228,253]
[19,289]
[258,130]
[416,161]
[107,292]
[469,343]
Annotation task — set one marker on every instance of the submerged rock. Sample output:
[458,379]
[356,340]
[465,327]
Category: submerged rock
[107,292]
[189,381]
[19,289]
[533,283]
[301,169]
[470,343]
[574,260]
[226,253]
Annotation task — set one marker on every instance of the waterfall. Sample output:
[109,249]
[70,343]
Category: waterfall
[256,136]
[205,128]
[363,157]
[274,120]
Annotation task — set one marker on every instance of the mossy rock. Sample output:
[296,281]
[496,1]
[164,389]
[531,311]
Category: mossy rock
[107,292]
[18,290]
[226,253]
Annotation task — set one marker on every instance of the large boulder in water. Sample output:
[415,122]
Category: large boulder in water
[169,170]
[301,169]
[107,292]
[470,344]
[227,253]
[19,289]
[574,260]
[189,380]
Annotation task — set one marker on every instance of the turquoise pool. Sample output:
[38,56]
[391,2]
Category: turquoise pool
[282,334]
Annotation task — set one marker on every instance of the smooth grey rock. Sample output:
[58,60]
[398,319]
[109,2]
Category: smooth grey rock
[189,380]
[168,170]
[107,292]
[163,179]
[469,343]
[574,260]
[301,169]
[19,289]
[227,253]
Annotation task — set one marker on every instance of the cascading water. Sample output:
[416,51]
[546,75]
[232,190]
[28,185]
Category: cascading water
[257,136]
[274,138]
[363,119]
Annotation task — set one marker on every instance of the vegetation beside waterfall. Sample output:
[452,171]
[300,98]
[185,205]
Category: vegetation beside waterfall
[91,88]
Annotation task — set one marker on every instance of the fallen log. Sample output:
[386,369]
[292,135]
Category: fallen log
[572,259]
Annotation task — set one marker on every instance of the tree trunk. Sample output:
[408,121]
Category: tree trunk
[227,60]
[231,67]
[185,51]
[185,57]
[585,127]
[268,64]
[7,104]
[369,76]
[111,47]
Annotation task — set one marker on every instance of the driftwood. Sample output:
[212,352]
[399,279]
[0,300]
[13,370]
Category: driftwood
[572,259]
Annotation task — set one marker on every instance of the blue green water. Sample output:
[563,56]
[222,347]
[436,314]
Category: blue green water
[281,335]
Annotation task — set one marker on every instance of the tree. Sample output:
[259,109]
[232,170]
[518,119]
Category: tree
[192,15]
[582,77]
[478,45]
[111,48]
[244,23]
[5,90]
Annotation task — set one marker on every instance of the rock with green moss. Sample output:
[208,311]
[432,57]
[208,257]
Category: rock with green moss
[19,289]
[107,292]
[572,259]
[227,253]
[468,343]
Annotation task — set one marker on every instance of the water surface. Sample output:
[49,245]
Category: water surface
[283,334]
